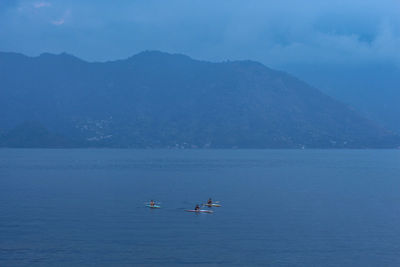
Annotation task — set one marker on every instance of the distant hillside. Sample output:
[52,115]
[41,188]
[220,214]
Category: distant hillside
[156,99]
[33,134]
[373,89]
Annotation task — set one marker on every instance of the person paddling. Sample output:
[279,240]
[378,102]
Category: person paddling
[197,208]
[152,203]
[209,202]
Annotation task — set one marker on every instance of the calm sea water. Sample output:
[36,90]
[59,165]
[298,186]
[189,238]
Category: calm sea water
[280,207]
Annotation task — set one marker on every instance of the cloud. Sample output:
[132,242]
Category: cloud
[61,20]
[274,32]
[58,22]
[41,4]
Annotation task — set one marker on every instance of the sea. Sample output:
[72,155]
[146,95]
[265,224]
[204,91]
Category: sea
[87,207]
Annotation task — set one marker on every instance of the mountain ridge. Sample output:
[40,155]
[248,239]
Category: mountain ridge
[157,99]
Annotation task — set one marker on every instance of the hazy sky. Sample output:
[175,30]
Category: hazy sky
[275,32]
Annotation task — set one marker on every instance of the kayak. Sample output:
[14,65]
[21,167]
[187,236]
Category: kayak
[212,205]
[153,207]
[205,211]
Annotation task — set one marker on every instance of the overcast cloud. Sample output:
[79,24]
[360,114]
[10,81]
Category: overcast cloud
[277,33]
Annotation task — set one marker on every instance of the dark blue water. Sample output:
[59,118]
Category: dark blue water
[280,208]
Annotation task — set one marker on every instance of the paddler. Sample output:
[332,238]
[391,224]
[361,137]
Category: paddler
[209,202]
[152,203]
[197,208]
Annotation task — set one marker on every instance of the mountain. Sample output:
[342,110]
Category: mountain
[155,99]
[30,134]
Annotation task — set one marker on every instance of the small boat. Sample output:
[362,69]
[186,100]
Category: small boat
[153,207]
[200,211]
[212,205]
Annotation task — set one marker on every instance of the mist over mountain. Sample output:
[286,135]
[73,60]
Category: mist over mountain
[155,99]
[373,89]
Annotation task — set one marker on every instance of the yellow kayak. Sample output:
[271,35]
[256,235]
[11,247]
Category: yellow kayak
[212,205]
